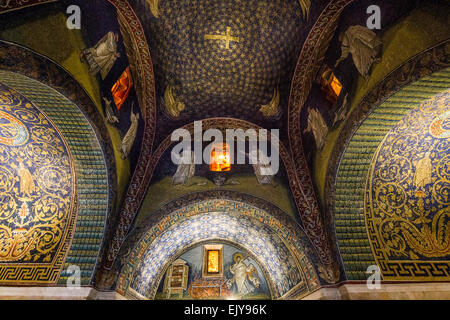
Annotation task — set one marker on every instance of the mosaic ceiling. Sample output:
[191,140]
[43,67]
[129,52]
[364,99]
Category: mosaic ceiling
[236,59]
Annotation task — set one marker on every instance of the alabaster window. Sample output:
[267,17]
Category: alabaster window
[330,85]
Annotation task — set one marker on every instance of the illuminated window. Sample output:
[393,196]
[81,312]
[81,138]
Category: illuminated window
[121,88]
[220,158]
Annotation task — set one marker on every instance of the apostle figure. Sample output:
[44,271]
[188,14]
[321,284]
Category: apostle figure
[317,125]
[272,108]
[185,170]
[103,55]
[128,140]
[154,7]
[25,180]
[422,176]
[364,45]
[243,276]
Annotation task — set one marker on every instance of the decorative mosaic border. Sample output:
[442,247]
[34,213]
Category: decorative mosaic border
[142,68]
[419,66]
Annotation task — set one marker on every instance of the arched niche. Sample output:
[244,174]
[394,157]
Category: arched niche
[260,228]
[407,202]
[30,73]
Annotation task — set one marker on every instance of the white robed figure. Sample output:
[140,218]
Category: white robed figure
[261,166]
[243,276]
[103,55]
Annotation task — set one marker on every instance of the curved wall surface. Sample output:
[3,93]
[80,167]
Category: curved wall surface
[85,185]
